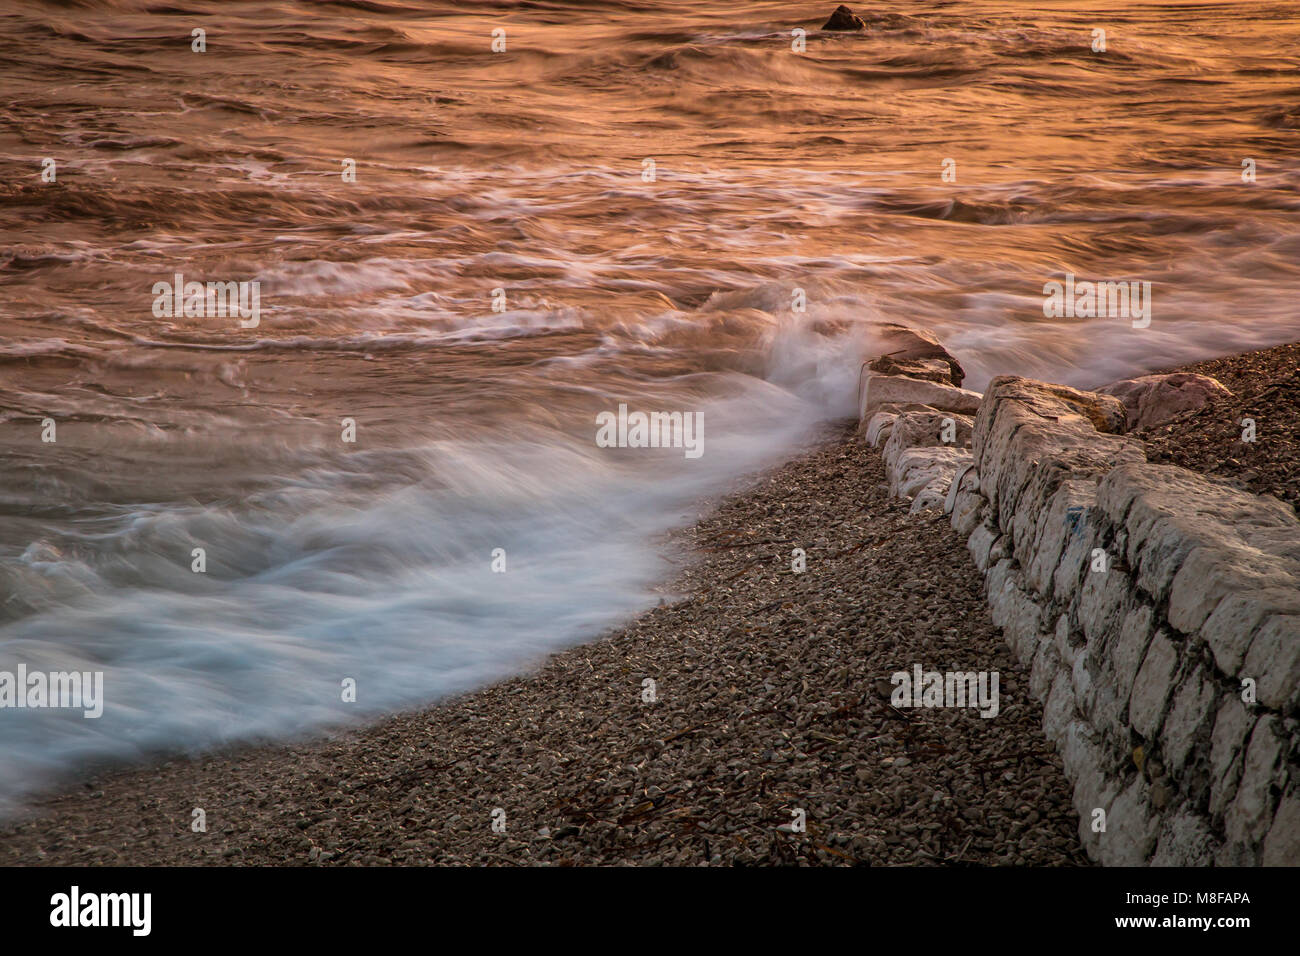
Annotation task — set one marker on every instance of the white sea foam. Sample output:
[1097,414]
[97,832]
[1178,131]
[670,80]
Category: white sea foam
[374,566]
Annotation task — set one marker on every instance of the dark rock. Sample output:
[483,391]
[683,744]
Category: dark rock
[844,19]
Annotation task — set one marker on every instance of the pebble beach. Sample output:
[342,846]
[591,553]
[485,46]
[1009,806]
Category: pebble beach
[772,695]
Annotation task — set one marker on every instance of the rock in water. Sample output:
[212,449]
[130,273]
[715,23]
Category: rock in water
[844,19]
[898,346]
[931,369]
[876,389]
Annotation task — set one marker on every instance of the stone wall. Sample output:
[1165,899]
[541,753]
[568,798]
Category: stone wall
[1158,613]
